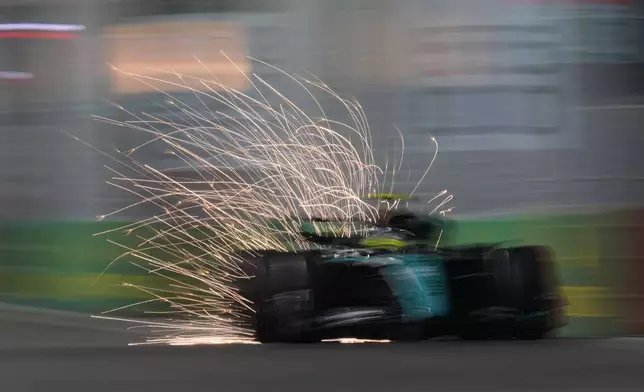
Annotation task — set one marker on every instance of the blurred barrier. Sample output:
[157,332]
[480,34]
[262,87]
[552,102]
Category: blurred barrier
[62,265]
[626,242]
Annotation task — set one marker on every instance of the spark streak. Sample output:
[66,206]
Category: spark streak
[258,166]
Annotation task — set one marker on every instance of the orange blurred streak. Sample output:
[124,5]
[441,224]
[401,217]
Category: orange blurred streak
[191,48]
[37,35]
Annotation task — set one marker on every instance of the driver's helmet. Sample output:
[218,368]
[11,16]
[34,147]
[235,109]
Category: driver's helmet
[395,218]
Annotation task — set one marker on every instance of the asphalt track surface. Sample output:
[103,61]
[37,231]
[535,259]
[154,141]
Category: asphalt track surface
[68,356]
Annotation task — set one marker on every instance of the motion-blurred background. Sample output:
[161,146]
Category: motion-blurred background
[537,106]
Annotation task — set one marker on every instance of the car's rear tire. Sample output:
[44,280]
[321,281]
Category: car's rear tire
[251,285]
[283,297]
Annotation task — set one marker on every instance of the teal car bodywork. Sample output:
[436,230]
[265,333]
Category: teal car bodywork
[418,281]
[394,281]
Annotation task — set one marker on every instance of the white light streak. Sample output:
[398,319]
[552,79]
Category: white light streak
[355,341]
[10,75]
[40,27]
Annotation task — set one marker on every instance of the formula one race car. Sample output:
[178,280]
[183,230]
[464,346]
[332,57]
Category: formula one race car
[387,284]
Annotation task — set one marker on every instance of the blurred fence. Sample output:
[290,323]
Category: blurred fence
[63,265]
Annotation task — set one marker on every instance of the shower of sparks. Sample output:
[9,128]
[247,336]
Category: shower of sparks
[258,166]
[355,341]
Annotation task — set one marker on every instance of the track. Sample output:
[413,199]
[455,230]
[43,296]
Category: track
[553,366]
[73,358]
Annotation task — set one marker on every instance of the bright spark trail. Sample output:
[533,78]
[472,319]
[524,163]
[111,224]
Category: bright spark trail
[259,167]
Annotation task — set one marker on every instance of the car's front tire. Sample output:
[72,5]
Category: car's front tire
[520,280]
[520,275]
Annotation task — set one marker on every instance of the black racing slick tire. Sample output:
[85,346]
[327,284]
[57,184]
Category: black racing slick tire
[283,297]
[520,280]
[520,276]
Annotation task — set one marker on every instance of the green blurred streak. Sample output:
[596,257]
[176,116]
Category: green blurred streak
[56,264]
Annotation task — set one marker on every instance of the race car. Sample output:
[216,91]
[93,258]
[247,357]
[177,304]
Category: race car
[389,283]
